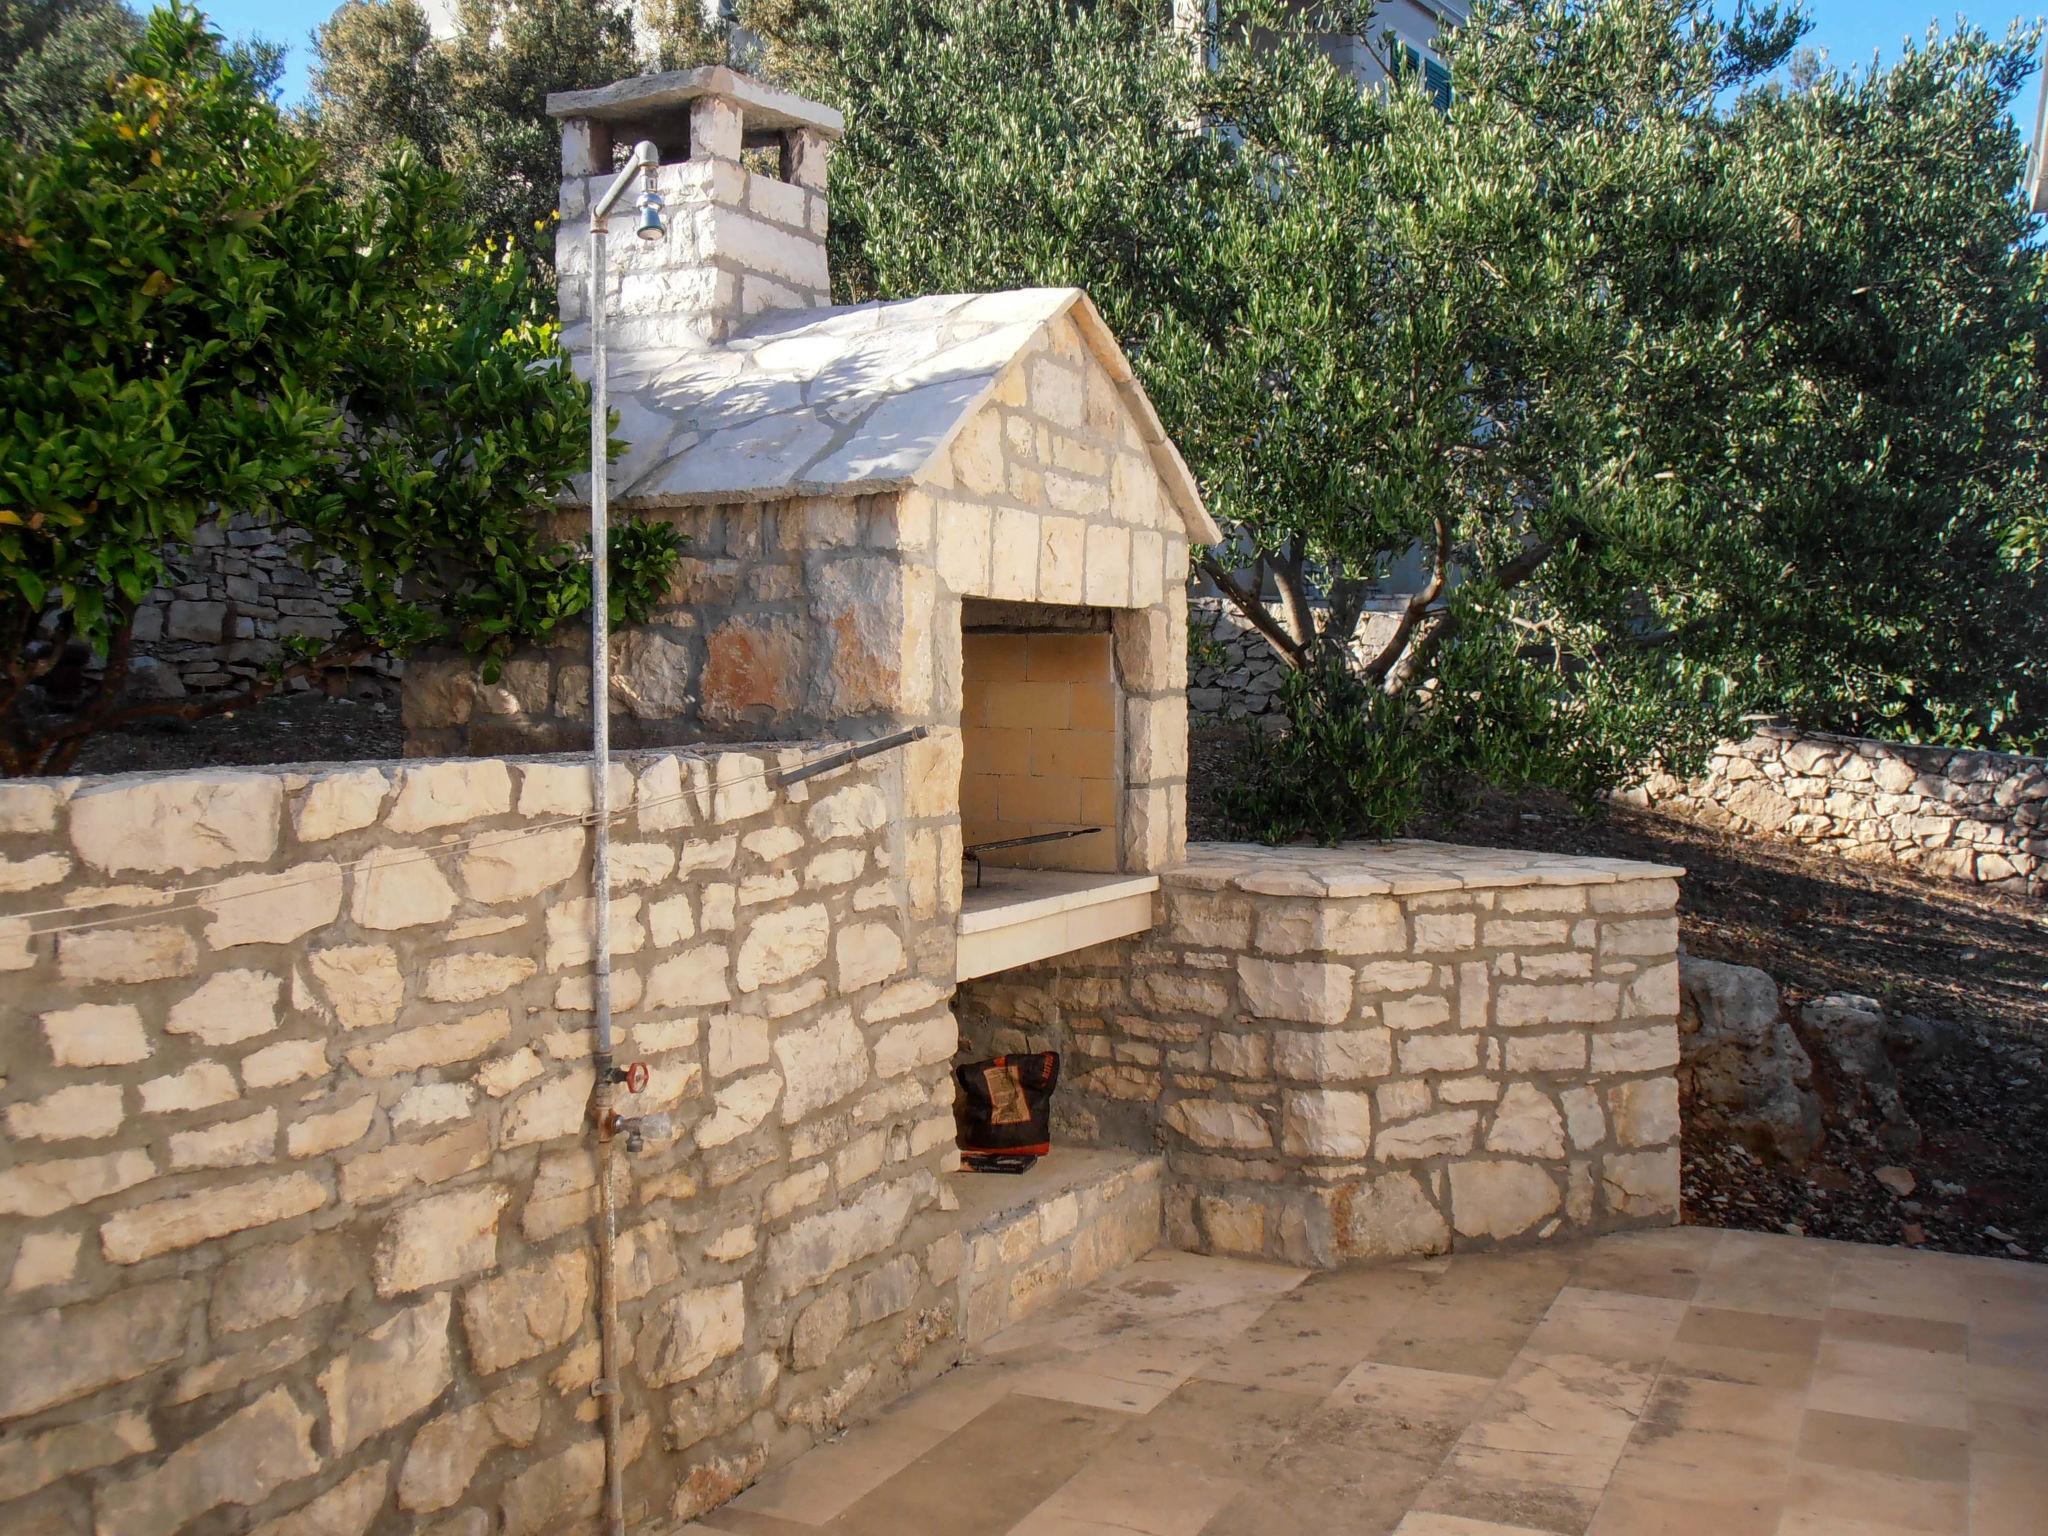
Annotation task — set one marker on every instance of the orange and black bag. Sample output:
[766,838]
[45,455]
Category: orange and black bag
[1005,1105]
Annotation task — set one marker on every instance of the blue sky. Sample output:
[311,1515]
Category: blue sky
[1851,30]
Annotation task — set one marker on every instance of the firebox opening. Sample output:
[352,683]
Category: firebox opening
[1042,754]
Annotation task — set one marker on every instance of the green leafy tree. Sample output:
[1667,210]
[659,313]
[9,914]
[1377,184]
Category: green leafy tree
[1671,394]
[58,59]
[473,104]
[196,324]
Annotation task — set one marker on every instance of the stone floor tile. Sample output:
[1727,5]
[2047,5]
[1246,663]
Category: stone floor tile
[1882,1502]
[1721,1407]
[987,1476]
[1928,1335]
[1612,1325]
[1628,1513]
[1557,1493]
[1750,1367]
[1426,1524]
[1373,1507]
[821,1484]
[1577,1392]
[1397,1405]
[1668,1264]
[1241,1425]
[2009,1494]
[1767,1332]
[1303,1342]
[959,1395]
[1918,1451]
[1704,1465]
[2000,1428]
[1586,1408]
[1163,1493]
[1063,1380]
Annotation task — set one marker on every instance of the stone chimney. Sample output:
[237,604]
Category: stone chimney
[743,176]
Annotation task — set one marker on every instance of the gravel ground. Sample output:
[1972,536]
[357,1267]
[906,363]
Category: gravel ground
[1974,962]
[297,728]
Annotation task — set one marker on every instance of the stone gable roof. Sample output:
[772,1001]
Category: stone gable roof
[852,400]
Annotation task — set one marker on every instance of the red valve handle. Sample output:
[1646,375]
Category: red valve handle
[636,1077]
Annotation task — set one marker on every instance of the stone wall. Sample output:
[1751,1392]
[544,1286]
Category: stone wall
[1356,1053]
[1980,817]
[1234,674]
[296,1192]
[218,622]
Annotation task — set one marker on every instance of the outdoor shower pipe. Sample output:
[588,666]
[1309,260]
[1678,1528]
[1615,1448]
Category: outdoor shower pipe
[640,166]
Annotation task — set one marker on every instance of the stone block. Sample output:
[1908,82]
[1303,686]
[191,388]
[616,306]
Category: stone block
[439,1239]
[396,1370]
[335,803]
[178,824]
[867,953]
[392,1170]
[1640,1184]
[227,1144]
[1389,1217]
[55,1356]
[466,977]
[126,955]
[738,1108]
[200,1086]
[1429,1136]
[508,867]
[695,979]
[689,1332]
[821,1065]
[432,1045]
[1527,1123]
[1653,1048]
[1305,992]
[447,794]
[83,1112]
[1336,1056]
[34,1462]
[242,1461]
[346,1509]
[527,1311]
[129,1237]
[780,946]
[1440,1053]
[1326,1122]
[362,982]
[1217,1123]
[1500,1199]
[96,1035]
[398,888]
[445,1454]
[273,908]
[228,1008]
[1644,1111]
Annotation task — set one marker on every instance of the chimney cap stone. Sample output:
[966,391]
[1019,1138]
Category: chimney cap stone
[764,108]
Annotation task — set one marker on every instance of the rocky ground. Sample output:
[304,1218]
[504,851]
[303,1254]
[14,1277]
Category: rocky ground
[1973,1082]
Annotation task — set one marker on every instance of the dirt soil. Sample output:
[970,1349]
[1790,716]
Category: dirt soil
[298,728]
[1973,962]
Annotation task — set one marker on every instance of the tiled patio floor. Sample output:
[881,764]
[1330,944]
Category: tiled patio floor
[1687,1381]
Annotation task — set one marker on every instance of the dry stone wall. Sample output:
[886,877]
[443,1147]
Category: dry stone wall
[1357,1053]
[1234,672]
[1980,817]
[234,597]
[296,1196]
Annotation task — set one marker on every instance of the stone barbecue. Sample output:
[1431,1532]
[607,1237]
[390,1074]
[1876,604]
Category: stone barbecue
[299,1187]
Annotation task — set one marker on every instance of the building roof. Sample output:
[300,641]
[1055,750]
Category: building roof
[638,98]
[852,400]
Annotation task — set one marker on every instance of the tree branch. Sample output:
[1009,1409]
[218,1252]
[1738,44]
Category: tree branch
[1418,606]
[1291,650]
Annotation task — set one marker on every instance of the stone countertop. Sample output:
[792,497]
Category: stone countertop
[1405,867]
